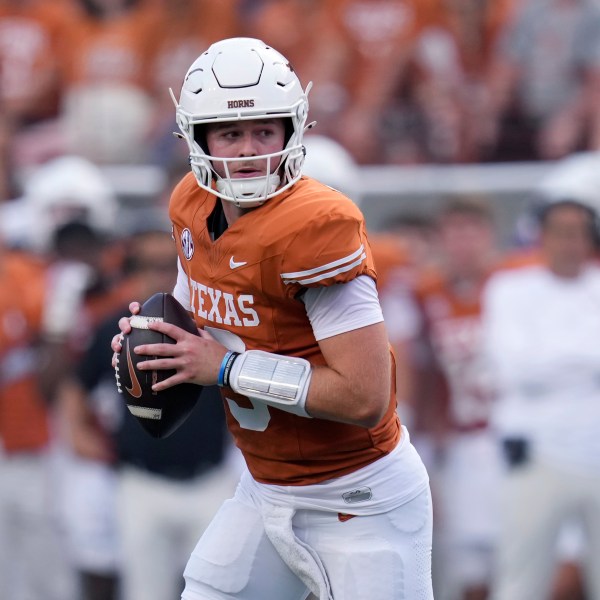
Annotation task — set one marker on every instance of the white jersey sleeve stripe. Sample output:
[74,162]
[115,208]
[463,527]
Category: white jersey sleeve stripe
[300,274]
[328,273]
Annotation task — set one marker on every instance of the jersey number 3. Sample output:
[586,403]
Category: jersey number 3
[256,418]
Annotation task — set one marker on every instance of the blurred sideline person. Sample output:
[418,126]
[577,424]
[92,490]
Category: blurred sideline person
[541,326]
[33,563]
[54,226]
[75,252]
[67,213]
[450,396]
[403,252]
[137,505]
[277,271]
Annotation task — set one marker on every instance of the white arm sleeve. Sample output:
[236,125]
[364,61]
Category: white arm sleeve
[181,291]
[342,307]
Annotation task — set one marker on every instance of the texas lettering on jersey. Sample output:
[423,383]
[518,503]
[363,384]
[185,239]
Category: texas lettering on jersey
[249,282]
[221,307]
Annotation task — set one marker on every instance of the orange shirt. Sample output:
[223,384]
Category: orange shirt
[296,28]
[117,50]
[23,414]
[30,32]
[187,29]
[309,236]
[378,36]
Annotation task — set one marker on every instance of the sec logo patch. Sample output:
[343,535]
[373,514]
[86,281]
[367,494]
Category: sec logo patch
[187,243]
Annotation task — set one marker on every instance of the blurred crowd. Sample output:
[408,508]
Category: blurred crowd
[394,81]
[496,343]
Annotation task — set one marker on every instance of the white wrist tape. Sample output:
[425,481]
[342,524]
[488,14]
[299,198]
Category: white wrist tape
[279,381]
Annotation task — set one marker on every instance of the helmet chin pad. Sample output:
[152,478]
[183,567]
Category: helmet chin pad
[248,192]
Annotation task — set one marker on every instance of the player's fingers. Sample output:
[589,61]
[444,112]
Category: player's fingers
[134,308]
[124,325]
[116,343]
[156,350]
[205,335]
[169,329]
[169,382]
[156,364]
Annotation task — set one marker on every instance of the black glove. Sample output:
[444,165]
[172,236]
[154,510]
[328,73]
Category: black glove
[516,451]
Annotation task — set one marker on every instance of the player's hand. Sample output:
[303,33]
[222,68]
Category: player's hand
[116,343]
[195,358]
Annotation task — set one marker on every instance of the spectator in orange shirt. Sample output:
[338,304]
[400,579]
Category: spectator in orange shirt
[30,33]
[108,90]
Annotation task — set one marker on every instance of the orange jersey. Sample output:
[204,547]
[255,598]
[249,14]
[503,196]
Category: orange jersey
[248,282]
[452,326]
[23,415]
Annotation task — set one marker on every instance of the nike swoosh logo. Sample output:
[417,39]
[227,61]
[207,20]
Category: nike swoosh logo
[136,389]
[235,265]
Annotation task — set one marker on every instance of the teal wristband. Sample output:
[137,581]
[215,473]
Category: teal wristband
[225,368]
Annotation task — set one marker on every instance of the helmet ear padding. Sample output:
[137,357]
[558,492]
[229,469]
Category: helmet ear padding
[289,130]
[200,136]
[235,80]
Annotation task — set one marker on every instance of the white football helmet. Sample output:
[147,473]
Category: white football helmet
[64,189]
[242,79]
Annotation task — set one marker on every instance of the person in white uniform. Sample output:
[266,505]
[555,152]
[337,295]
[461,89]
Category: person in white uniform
[541,331]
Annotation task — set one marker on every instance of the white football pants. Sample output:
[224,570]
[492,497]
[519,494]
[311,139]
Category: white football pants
[379,557]
[539,499]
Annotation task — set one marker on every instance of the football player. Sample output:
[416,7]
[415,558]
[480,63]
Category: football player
[277,271]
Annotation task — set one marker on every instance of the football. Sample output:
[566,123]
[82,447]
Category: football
[159,413]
